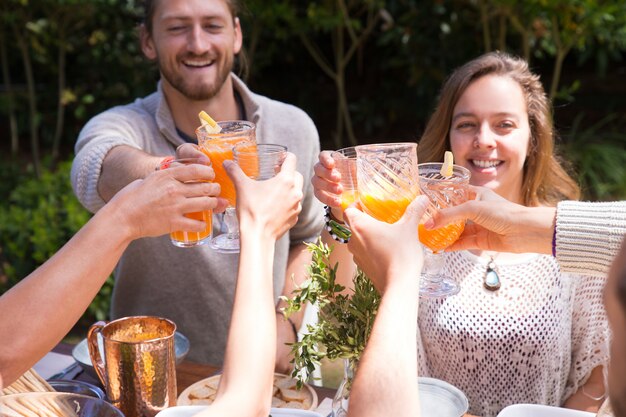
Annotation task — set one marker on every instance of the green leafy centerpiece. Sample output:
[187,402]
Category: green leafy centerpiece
[345,318]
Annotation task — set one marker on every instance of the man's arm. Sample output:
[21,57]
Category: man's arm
[585,236]
[121,166]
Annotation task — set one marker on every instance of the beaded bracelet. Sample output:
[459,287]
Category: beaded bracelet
[337,230]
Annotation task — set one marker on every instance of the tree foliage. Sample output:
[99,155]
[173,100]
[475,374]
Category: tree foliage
[364,70]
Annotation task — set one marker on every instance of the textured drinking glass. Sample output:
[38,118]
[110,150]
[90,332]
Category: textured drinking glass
[387,179]
[187,239]
[219,148]
[139,370]
[442,192]
[345,163]
[259,161]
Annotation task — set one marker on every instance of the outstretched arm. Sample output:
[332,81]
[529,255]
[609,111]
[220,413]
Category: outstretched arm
[585,236]
[327,188]
[266,210]
[52,298]
[498,224]
[390,254]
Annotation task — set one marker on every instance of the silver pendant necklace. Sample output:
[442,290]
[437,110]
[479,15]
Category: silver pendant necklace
[491,280]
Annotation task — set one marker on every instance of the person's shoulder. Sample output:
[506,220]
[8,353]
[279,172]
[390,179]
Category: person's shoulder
[139,112]
[283,112]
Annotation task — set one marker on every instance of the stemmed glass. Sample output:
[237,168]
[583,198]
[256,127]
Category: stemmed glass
[219,148]
[443,191]
[387,179]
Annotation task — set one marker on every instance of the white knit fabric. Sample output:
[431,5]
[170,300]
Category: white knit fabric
[589,235]
[535,340]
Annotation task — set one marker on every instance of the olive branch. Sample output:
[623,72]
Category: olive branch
[344,321]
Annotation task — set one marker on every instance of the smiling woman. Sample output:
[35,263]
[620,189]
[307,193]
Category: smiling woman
[539,336]
[499,343]
[514,108]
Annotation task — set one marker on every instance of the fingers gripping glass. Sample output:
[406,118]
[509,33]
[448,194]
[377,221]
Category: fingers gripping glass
[184,238]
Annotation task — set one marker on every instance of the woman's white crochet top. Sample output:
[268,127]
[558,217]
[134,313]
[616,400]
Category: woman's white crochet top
[535,340]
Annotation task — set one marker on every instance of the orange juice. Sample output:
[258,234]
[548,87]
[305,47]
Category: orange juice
[218,151]
[248,159]
[348,197]
[388,210]
[438,239]
[184,238]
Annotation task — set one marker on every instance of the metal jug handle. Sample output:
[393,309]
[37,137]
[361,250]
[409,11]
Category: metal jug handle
[94,352]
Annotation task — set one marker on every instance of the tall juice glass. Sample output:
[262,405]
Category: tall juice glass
[219,148]
[387,179]
[442,192]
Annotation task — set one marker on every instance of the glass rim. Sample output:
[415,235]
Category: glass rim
[272,148]
[386,145]
[344,153]
[249,126]
[463,173]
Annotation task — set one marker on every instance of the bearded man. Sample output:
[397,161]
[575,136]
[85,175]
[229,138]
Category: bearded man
[194,44]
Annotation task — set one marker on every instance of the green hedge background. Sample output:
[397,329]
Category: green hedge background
[365,70]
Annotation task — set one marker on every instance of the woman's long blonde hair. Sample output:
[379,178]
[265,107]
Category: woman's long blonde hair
[545,181]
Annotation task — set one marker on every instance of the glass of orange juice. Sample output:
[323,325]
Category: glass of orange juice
[387,179]
[442,191]
[183,238]
[219,148]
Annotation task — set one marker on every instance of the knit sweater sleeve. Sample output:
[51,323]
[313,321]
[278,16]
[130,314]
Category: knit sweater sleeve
[101,134]
[589,235]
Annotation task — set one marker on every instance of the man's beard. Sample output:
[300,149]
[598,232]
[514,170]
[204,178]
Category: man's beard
[200,92]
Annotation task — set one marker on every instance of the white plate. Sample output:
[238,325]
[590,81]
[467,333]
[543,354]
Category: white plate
[285,381]
[190,410]
[536,410]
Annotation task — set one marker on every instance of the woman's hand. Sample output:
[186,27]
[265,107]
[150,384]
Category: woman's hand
[272,205]
[499,224]
[384,250]
[325,182]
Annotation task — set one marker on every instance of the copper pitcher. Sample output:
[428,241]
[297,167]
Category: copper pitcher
[139,367]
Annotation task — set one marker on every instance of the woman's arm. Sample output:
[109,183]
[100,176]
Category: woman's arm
[327,189]
[266,210]
[591,395]
[51,299]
